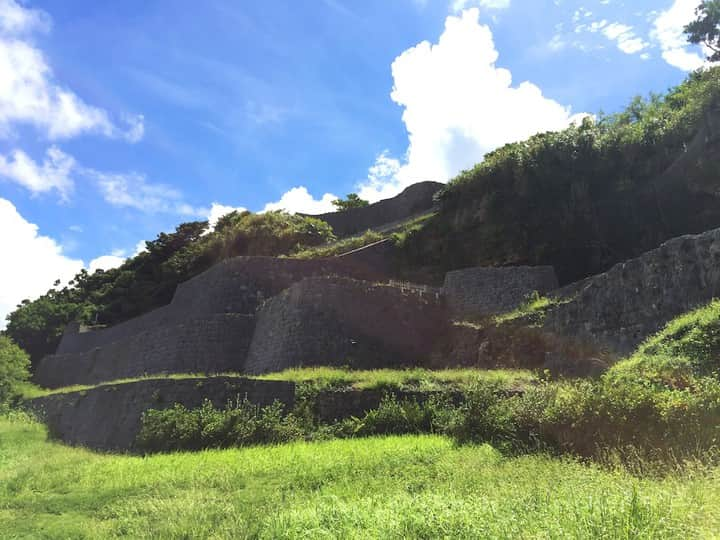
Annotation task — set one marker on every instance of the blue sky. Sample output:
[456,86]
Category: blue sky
[123,119]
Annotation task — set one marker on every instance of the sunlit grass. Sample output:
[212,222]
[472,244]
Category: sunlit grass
[394,487]
[417,378]
[420,379]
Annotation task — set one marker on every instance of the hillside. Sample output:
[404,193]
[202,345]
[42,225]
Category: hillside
[587,197]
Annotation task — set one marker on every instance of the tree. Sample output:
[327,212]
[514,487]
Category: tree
[705,29]
[353,200]
[14,364]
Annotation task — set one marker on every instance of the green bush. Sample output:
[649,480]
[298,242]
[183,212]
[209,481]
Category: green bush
[407,416]
[14,370]
[239,424]
[485,416]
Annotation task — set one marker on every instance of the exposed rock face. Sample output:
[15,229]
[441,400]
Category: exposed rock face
[620,308]
[109,417]
[336,322]
[414,200]
[475,293]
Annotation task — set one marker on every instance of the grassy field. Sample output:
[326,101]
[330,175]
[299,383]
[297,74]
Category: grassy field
[394,487]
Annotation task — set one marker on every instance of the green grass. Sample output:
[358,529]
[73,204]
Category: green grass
[533,309]
[418,378]
[339,247]
[29,390]
[687,347]
[394,487]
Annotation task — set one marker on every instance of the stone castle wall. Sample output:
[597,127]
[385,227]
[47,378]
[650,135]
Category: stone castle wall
[108,417]
[210,344]
[343,322]
[617,310]
[414,200]
[474,293]
[237,285]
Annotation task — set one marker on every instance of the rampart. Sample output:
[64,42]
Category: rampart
[211,344]
[344,322]
[413,200]
[474,293]
[237,285]
[620,308]
[108,417]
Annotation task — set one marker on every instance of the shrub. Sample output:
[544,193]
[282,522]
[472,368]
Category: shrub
[239,424]
[486,416]
[14,370]
[395,417]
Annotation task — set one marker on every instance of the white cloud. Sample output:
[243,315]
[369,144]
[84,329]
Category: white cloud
[54,173]
[459,5]
[16,19]
[132,190]
[623,35]
[29,93]
[299,200]
[668,32]
[218,210]
[31,263]
[458,106]
[107,262]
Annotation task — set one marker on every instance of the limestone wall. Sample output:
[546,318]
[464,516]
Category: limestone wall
[237,285]
[475,293]
[618,309]
[108,417]
[78,339]
[415,199]
[337,321]
[210,344]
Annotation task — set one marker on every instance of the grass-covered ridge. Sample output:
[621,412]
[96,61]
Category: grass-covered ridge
[335,378]
[687,349]
[394,487]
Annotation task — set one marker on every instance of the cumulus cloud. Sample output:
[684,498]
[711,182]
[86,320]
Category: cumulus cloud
[107,262]
[218,210]
[458,105]
[16,19]
[29,93]
[52,174]
[299,200]
[669,34]
[31,263]
[459,5]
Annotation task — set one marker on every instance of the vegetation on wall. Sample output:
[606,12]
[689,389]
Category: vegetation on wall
[352,200]
[589,196]
[148,280]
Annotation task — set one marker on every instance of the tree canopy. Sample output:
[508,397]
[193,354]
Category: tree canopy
[705,29]
[352,200]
